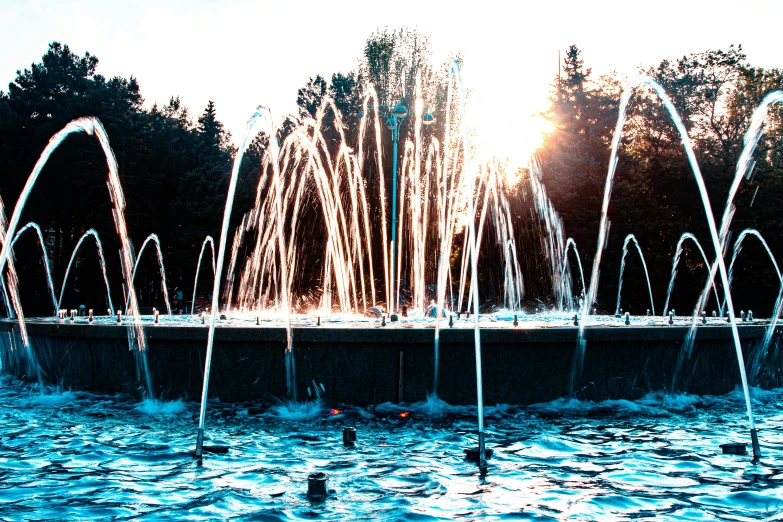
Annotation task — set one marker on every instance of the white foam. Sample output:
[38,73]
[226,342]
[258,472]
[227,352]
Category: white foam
[296,411]
[156,408]
[56,398]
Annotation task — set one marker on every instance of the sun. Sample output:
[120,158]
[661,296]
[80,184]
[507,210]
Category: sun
[511,141]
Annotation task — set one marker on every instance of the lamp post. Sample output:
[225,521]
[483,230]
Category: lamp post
[394,116]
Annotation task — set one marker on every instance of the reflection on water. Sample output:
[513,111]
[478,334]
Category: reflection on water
[74,455]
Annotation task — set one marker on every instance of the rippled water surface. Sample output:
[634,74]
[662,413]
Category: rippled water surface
[73,455]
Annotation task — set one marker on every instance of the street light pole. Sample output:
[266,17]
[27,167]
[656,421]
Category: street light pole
[394,116]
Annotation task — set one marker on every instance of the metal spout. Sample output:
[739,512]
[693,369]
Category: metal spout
[754,438]
[317,486]
[349,436]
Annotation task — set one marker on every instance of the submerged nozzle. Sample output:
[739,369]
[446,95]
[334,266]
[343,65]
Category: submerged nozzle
[516,322]
[349,436]
[479,454]
[393,318]
[754,439]
[317,486]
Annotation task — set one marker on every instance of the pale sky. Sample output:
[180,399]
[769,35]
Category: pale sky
[247,53]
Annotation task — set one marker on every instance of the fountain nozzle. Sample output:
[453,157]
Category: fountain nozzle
[383,320]
[742,315]
[750,315]
[258,321]
[576,320]
[157,316]
[754,438]
[318,321]
[627,318]
[704,317]
[714,313]
[671,317]
[349,436]
[90,317]
[405,311]
[73,315]
[516,322]
[317,486]
[119,316]
[451,321]
[648,312]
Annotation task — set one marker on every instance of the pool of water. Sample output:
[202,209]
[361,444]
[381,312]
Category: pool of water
[75,455]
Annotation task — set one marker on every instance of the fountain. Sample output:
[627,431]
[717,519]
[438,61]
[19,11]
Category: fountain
[211,242]
[716,241]
[629,238]
[738,247]
[678,253]
[153,238]
[45,258]
[90,233]
[441,183]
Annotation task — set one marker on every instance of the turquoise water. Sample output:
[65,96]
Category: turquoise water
[67,455]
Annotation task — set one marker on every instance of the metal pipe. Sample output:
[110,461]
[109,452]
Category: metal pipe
[395,133]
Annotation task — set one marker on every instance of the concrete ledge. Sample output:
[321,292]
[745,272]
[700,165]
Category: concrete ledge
[389,334]
[361,365]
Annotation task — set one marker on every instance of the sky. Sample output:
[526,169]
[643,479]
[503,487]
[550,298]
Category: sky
[242,54]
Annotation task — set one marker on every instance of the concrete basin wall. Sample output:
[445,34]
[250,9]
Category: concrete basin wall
[362,366]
